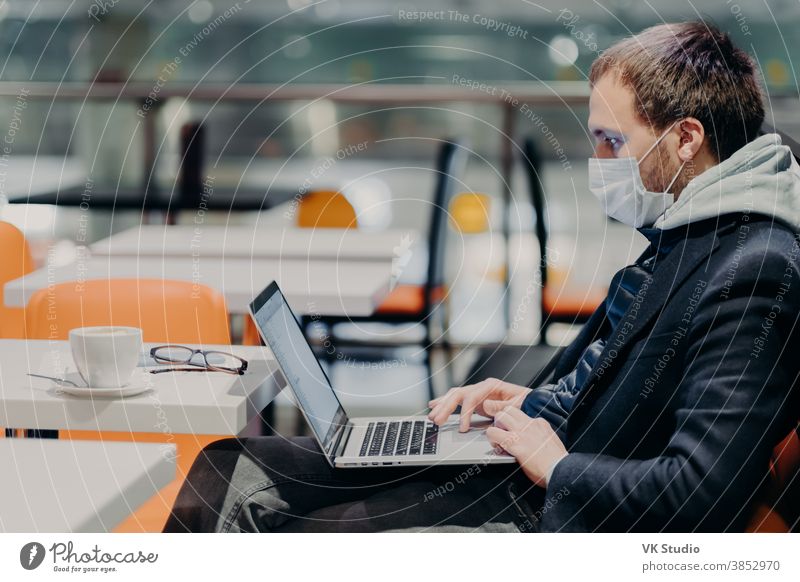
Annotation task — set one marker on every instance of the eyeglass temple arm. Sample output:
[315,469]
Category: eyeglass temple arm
[203,369]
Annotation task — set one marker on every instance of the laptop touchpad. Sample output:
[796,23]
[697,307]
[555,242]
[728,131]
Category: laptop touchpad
[476,430]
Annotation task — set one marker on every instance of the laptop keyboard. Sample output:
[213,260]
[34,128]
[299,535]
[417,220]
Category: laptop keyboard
[402,437]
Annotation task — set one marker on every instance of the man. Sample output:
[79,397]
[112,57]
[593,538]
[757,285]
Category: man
[662,414]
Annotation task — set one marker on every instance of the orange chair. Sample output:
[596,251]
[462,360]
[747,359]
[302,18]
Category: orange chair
[166,311]
[326,209]
[568,301]
[778,508]
[316,209]
[16,261]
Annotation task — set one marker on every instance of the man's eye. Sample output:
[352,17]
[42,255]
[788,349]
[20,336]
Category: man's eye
[614,142]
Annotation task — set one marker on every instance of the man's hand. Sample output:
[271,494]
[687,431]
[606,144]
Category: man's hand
[532,441]
[486,398]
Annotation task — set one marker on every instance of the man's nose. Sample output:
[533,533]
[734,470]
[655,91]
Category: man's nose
[603,151]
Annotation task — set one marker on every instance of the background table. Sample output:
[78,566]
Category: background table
[152,198]
[32,176]
[353,288]
[179,403]
[259,242]
[78,486]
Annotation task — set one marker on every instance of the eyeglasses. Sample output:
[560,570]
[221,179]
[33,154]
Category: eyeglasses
[213,361]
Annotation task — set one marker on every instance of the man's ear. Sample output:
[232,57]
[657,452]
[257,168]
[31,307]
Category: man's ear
[692,138]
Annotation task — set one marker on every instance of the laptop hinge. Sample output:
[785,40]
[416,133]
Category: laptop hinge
[341,441]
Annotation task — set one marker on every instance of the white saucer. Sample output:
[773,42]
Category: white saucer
[140,382]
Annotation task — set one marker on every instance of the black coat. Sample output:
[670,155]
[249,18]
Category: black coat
[696,385]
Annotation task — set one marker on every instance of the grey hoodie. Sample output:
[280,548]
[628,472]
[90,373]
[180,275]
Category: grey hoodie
[762,178]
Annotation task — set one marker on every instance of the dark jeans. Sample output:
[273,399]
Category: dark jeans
[286,485]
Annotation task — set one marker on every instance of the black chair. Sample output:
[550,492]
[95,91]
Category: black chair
[522,365]
[525,365]
[190,171]
[421,304]
[560,301]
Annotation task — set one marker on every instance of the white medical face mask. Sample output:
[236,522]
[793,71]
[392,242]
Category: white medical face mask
[617,184]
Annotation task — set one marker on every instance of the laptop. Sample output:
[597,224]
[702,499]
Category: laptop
[363,441]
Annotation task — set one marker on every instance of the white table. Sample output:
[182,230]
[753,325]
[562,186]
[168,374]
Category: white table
[179,402]
[32,175]
[353,288]
[259,242]
[78,486]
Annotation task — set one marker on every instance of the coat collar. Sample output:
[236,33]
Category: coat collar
[659,241]
[684,258]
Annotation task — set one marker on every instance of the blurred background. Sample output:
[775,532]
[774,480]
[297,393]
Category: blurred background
[97,99]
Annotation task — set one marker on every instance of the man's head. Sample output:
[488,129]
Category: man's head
[689,73]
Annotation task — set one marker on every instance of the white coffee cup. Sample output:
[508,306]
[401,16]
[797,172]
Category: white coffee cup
[106,356]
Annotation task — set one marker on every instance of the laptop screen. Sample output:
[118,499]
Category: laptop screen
[305,376]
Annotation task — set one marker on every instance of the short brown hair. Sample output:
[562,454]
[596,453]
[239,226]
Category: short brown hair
[690,69]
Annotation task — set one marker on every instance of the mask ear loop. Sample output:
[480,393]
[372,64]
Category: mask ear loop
[652,147]
[655,143]
[676,176]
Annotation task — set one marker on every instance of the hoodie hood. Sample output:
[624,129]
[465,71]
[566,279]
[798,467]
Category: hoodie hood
[762,178]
